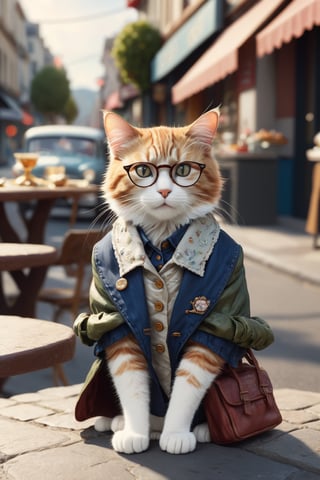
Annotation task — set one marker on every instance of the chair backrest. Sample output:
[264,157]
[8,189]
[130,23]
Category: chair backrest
[75,255]
[77,246]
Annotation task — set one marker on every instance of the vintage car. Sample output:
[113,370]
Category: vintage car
[76,152]
[80,150]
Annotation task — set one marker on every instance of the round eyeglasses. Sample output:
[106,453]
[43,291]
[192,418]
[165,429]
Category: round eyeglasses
[146,174]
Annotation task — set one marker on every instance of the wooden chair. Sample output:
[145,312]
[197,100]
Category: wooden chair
[75,256]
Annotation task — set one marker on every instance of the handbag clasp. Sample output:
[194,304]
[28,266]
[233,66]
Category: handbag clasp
[247,405]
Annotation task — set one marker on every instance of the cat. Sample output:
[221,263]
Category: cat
[160,209]
[163,184]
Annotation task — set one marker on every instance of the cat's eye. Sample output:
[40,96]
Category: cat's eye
[146,174]
[183,169]
[143,170]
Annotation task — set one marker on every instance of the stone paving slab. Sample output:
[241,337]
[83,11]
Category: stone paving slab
[59,404]
[301,448]
[73,462]
[65,420]
[25,412]
[300,416]
[290,399]
[18,438]
[315,409]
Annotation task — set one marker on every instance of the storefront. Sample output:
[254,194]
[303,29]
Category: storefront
[263,70]
[293,40]
[179,53]
[231,59]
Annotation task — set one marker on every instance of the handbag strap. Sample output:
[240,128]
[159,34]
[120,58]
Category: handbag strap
[263,387]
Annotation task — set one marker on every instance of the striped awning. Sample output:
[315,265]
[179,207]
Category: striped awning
[292,22]
[221,58]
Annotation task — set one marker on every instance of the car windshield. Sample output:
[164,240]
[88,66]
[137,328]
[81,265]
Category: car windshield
[62,145]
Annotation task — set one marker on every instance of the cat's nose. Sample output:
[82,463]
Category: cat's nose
[164,192]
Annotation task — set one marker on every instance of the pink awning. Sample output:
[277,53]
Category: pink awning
[221,58]
[298,16]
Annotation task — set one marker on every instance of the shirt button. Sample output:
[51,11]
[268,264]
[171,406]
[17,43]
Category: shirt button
[165,244]
[158,283]
[158,306]
[158,326]
[160,348]
[158,257]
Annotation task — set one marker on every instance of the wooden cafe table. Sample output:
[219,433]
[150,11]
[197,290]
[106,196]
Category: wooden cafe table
[26,264]
[29,344]
[42,198]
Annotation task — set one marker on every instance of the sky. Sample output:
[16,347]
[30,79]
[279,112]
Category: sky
[75,31]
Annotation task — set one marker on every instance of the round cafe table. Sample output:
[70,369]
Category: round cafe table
[27,265]
[37,258]
[29,344]
[42,199]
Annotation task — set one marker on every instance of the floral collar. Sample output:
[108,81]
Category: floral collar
[191,253]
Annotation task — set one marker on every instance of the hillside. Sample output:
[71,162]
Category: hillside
[87,103]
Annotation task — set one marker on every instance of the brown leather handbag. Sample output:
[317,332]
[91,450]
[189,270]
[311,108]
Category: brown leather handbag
[240,403]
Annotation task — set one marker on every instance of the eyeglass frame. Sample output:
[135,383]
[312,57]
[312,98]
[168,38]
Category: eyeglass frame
[201,167]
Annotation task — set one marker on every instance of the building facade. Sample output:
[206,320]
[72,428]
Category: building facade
[22,54]
[258,60]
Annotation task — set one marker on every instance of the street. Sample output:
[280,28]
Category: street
[292,308]
[289,305]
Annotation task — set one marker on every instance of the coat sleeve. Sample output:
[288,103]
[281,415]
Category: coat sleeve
[104,316]
[231,318]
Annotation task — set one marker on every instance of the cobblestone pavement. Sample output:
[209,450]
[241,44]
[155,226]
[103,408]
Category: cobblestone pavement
[40,439]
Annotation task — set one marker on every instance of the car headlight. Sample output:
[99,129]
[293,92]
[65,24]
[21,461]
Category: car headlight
[89,174]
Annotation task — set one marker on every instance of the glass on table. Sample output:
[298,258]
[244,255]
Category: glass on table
[56,175]
[28,162]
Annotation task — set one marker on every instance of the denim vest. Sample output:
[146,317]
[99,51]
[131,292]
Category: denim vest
[185,320]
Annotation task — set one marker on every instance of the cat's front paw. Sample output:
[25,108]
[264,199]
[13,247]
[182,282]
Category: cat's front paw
[178,442]
[202,433]
[130,442]
[103,424]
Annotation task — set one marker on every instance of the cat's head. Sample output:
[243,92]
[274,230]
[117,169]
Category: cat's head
[162,177]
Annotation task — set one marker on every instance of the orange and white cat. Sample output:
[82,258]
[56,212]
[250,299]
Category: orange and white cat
[160,201]
[169,302]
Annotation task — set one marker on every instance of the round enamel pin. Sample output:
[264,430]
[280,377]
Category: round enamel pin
[199,305]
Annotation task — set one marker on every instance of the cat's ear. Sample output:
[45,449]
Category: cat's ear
[205,127]
[118,131]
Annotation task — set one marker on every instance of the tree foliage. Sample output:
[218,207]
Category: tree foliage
[50,91]
[70,110]
[133,49]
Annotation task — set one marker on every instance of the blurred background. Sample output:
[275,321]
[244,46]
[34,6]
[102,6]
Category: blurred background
[157,61]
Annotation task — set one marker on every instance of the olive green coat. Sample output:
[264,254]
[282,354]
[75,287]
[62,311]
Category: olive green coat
[230,319]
